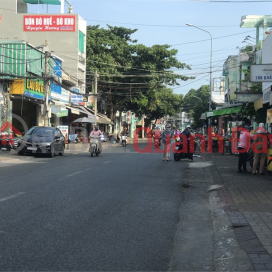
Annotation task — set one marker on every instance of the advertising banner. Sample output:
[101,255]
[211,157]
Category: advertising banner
[49,22]
[76,99]
[35,89]
[64,130]
[62,95]
[269,116]
[58,111]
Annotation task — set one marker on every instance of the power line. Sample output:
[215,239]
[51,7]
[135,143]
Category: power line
[153,25]
[214,38]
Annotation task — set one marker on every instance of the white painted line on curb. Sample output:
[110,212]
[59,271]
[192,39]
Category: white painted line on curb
[11,196]
[106,162]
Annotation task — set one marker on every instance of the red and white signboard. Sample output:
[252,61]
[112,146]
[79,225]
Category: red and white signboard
[49,23]
[129,117]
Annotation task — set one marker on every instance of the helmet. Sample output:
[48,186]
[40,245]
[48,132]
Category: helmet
[167,126]
[96,128]
[188,126]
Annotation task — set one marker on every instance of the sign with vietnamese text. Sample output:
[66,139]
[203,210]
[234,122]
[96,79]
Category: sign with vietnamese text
[35,89]
[49,22]
[261,73]
[76,99]
[64,130]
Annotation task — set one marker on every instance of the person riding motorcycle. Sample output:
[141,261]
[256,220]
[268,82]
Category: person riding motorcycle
[157,133]
[96,132]
[125,132]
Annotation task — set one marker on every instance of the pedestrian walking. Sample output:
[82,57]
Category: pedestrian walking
[243,147]
[259,156]
[167,135]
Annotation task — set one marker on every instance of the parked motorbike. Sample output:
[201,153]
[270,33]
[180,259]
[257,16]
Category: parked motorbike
[179,156]
[124,140]
[94,145]
[102,138]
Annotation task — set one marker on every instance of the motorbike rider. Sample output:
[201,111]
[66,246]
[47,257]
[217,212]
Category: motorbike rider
[187,133]
[167,135]
[125,132]
[96,132]
[157,133]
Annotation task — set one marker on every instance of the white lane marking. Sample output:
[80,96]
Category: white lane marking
[88,168]
[11,196]
[74,174]
[62,178]
[106,162]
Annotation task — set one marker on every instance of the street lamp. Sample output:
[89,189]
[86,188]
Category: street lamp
[210,96]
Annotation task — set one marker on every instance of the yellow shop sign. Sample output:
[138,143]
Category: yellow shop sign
[36,86]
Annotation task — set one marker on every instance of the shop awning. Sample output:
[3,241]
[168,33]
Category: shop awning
[223,112]
[75,110]
[102,119]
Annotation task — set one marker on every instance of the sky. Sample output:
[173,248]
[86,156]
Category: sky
[163,22]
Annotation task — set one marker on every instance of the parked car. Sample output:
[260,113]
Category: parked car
[46,140]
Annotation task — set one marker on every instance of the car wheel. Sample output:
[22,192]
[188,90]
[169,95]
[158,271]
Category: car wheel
[62,152]
[52,154]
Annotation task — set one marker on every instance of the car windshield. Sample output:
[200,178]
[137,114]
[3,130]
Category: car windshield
[41,132]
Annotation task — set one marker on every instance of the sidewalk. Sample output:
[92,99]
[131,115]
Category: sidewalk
[248,201]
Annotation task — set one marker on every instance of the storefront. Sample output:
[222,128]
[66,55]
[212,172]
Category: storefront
[27,96]
[223,120]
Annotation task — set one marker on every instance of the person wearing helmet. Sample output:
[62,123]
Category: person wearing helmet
[96,132]
[167,135]
[187,133]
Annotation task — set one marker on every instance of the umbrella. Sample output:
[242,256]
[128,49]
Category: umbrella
[85,120]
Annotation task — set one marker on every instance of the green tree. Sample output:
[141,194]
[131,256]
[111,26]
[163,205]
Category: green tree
[196,102]
[131,75]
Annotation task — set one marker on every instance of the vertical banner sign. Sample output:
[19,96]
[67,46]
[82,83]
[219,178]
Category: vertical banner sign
[49,22]
[269,116]
[65,131]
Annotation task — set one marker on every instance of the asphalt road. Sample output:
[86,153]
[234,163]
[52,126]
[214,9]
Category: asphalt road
[118,211]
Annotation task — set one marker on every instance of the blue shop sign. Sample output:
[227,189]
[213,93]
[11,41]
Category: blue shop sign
[75,90]
[75,99]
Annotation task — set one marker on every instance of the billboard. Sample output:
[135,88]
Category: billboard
[49,22]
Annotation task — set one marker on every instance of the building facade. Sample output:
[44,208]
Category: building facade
[65,34]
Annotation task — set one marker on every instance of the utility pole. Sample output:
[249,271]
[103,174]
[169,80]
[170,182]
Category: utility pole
[95,93]
[46,85]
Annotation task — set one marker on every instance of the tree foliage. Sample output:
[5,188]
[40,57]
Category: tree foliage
[133,76]
[196,102]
